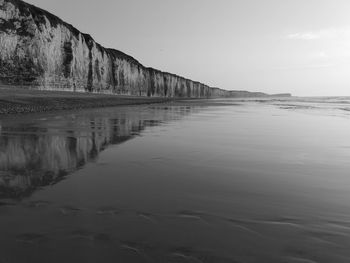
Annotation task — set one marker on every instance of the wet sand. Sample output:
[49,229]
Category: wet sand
[18,100]
[250,183]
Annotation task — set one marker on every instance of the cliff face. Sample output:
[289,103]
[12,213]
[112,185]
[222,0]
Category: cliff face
[38,49]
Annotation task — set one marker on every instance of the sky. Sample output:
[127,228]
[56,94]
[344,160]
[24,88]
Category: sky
[273,46]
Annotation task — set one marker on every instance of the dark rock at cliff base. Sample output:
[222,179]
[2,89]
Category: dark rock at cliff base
[38,49]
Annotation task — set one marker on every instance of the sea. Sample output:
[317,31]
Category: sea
[222,180]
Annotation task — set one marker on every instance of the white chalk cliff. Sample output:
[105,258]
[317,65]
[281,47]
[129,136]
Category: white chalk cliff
[39,49]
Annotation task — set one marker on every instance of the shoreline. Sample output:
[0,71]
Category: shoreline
[15,100]
[20,101]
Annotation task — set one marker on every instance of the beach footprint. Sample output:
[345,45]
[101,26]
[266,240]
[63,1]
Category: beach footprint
[108,210]
[192,215]
[31,238]
[70,210]
[147,216]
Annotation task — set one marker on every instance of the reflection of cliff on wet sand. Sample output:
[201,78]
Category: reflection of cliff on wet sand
[38,153]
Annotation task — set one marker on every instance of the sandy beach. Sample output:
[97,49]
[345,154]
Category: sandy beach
[19,100]
[146,184]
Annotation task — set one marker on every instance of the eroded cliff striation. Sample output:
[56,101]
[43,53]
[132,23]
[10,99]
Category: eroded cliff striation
[38,49]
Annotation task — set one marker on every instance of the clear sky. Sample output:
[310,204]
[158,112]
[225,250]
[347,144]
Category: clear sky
[273,46]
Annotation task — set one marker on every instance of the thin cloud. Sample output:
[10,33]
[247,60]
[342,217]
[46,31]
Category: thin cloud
[304,36]
[304,67]
[319,55]
[329,33]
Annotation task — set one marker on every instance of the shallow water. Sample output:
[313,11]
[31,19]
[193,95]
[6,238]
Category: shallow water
[231,181]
